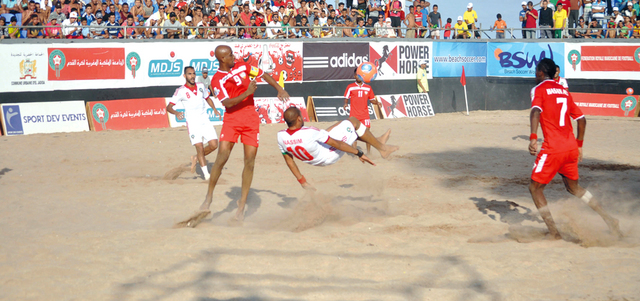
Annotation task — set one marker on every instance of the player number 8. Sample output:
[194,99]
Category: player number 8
[300,153]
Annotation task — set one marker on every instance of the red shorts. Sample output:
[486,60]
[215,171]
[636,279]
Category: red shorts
[249,133]
[366,122]
[547,165]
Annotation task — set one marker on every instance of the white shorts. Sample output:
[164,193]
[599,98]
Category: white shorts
[201,132]
[435,32]
[345,132]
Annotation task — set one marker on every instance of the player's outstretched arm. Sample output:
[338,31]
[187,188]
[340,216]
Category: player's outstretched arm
[349,149]
[534,119]
[282,94]
[296,172]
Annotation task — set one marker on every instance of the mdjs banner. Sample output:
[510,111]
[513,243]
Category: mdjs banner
[520,59]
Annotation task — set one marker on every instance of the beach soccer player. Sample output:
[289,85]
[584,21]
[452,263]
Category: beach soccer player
[552,107]
[358,95]
[320,148]
[234,85]
[195,99]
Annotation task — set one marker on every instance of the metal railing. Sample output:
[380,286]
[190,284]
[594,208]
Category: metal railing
[336,31]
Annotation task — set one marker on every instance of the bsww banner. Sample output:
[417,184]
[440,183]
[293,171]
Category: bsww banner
[400,60]
[333,61]
[406,105]
[330,108]
[44,117]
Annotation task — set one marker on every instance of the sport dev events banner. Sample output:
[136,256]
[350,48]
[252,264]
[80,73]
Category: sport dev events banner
[600,60]
[450,57]
[520,59]
[44,117]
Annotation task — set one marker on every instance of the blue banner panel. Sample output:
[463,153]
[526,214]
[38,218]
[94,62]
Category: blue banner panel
[450,57]
[520,59]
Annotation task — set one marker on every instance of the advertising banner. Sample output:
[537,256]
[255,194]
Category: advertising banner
[270,109]
[24,67]
[44,117]
[449,58]
[406,105]
[333,61]
[85,63]
[520,59]
[174,122]
[274,58]
[602,61]
[400,60]
[330,108]
[128,114]
[606,104]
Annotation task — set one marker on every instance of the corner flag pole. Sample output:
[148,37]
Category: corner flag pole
[463,81]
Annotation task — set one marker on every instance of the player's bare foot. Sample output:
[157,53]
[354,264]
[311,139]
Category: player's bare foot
[614,227]
[193,220]
[194,161]
[554,236]
[383,139]
[388,150]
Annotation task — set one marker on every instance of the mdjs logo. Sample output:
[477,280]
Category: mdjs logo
[166,68]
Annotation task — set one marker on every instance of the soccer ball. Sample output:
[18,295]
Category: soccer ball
[367,72]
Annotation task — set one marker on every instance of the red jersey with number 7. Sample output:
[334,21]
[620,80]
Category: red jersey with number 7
[558,109]
[232,83]
[359,96]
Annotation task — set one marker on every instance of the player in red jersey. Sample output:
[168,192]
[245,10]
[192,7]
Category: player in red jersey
[360,95]
[234,85]
[552,107]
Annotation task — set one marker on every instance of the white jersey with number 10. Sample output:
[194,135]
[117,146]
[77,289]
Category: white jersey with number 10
[308,144]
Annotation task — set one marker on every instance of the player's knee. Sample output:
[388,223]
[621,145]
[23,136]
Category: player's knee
[534,187]
[213,144]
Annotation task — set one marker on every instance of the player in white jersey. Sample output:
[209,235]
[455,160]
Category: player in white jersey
[560,80]
[320,148]
[194,97]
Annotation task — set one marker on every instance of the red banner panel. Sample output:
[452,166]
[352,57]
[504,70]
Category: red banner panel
[610,58]
[128,114]
[606,104]
[86,63]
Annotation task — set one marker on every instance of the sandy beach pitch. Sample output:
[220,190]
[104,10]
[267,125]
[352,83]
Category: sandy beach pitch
[88,216]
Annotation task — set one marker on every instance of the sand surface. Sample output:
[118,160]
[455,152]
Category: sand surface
[87,216]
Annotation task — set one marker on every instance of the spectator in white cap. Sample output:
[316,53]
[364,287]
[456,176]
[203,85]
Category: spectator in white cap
[423,86]
[71,28]
[204,78]
[471,17]
[616,13]
[523,18]
[462,30]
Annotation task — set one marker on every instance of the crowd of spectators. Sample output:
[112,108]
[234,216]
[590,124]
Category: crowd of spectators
[588,19]
[269,19]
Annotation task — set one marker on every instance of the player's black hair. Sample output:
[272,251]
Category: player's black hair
[355,71]
[499,16]
[187,68]
[448,20]
[435,5]
[547,66]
